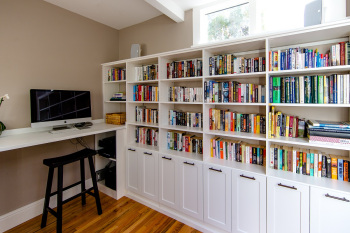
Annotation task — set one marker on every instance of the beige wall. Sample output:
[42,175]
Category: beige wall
[44,46]
[157,35]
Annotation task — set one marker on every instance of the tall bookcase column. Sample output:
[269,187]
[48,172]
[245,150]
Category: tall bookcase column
[322,193]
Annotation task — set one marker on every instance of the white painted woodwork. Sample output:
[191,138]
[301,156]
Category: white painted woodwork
[287,206]
[217,196]
[191,187]
[329,211]
[168,181]
[248,202]
[148,174]
[132,169]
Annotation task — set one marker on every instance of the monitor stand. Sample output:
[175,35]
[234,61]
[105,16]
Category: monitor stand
[61,128]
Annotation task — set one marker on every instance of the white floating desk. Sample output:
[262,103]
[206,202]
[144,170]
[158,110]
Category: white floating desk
[21,138]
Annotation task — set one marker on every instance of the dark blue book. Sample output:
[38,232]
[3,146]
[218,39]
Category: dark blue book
[283,61]
[306,58]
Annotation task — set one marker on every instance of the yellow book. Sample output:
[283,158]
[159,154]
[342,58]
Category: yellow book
[334,167]
[270,134]
[287,127]
[258,124]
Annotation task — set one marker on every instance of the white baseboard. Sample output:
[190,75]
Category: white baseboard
[23,214]
[192,222]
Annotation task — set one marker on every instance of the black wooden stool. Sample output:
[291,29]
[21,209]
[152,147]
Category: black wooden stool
[59,162]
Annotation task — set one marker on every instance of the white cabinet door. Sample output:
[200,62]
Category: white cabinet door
[148,175]
[191,188]
[168,181]
[248,202]
[217,196]
[329,211]
[287,206]
[132,170]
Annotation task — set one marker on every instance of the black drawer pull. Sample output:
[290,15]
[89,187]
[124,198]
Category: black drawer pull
[166,158]
[192,164]
[131,149]
[286,186]
[247,177]
[337,198]
[213,169]
[147,153]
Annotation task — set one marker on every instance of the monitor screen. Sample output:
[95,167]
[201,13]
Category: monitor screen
[59,107]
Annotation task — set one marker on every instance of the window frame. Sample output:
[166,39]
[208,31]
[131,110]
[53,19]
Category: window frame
[200,24]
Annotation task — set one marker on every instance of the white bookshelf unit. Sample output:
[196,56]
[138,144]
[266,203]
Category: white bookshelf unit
[214,195]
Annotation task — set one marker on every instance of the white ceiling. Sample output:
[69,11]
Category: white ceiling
[120,14]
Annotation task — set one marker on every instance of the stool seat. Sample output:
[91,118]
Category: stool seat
[59,162]
[66,159]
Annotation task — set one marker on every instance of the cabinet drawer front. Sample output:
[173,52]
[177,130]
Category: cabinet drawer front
[287,206]
[168,181]
[191,188]
[248,202]
[132,170]
[329,211]
[217,196]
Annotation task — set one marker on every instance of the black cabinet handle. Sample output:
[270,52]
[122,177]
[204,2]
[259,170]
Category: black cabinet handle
[147,153]
[247,177]
[192,164]
[286,186]
[337,198]
[166,158]
[131,149]
[213,169]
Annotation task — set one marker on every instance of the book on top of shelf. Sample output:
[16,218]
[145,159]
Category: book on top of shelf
[331,124]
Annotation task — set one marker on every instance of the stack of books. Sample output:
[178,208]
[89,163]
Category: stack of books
[118,96]
[332,132]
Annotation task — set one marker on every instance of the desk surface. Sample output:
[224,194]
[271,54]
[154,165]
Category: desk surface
[21,140]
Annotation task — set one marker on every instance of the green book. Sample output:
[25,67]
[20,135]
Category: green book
[276,86]
[287,89]
[320,95]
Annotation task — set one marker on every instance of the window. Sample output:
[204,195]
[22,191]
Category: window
[225,20]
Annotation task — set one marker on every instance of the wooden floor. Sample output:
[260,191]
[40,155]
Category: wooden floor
[123,215]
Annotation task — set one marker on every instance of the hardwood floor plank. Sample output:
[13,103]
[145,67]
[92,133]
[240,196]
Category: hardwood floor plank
[123,215]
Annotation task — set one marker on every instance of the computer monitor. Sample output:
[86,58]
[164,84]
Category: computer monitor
[59,107]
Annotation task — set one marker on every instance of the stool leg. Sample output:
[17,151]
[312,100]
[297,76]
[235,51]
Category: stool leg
[47,197]
[59,198]
[94,183]
[82,175]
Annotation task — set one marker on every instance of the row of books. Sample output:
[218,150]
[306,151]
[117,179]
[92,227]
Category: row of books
[330,132]
[116,74]
[185,68]
[146,136]
[226,120]
[185,94]
[237,151]
[283,125]
[229,64]
[148,115]
[309,162]
[181,141]
[316,89]
[303,58]
[146,72]
[189,119]
[233,91]
[145,93]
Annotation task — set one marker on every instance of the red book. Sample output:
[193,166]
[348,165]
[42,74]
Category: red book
[221,150]
[239,93]
[210,119]
[291,126]
[346,170]
[342,53]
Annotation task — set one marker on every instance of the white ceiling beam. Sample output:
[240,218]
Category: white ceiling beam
[169,8]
